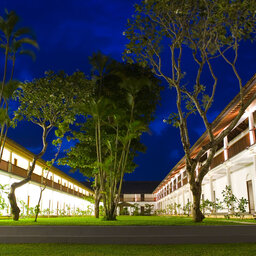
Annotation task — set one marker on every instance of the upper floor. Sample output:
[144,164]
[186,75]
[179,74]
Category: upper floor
[17,160]
[242,137]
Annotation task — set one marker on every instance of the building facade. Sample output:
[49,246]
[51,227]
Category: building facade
[137,196]
[234,163]
[62,194]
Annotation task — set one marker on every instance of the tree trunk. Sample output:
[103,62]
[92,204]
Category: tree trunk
[15,210]
[111,213]
[39,201]
[97,205]
[196,212]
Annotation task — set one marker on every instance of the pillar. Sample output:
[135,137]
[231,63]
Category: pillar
[225,144]
[183,198]
[254,181]
[211,189]
[228,177]
[251,128]
[182,175]
[10,162]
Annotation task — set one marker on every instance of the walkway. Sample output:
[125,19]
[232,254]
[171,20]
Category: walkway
[128,234]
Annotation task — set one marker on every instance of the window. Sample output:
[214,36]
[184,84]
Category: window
[15,161]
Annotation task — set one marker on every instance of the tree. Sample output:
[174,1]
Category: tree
[210,30]
[12,41]
[42,188]
[48,103]
[122,105]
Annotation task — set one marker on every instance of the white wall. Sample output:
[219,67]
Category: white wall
[32,190]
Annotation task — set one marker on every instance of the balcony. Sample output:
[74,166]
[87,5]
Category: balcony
[185,181]
[239,146]
[16,170]
[132,199]
[217,160]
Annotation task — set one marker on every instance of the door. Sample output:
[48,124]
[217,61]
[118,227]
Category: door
[250,196]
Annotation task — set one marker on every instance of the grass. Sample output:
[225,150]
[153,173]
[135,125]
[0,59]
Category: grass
[128,250]
[122,220]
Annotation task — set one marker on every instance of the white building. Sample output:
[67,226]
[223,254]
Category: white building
[234,163]
[62,194]
[139,194]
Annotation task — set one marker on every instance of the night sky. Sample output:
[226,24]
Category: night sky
[68,32]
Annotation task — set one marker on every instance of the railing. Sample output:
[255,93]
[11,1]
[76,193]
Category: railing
[48,182]
[132,199]
[16,170]
[56,185]
[233,150]
[4,165]
[65,189]
[185,181]
[217,160]
[36,178]
[239,146]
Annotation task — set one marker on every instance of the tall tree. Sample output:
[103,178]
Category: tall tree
[12,41]
[46,102]
[210,30]
[122,105]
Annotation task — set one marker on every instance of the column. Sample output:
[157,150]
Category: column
[225,144]
[183,198]
[251,128]
[182,175]
[10,162]
[52,179]
[172,185]
[197,171]
[254,181]
[228,177]
[211,189]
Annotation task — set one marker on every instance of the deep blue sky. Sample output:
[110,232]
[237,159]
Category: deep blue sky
[70,31]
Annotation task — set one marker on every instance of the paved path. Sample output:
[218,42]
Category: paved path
[127,234]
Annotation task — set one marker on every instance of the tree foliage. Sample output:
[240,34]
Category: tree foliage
[47,102]
[122,103]
[13,41]
[159,34]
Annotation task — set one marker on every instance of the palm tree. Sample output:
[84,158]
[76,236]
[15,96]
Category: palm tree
[12,41]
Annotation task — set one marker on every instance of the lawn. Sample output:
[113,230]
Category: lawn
[128,250]
[121,220]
